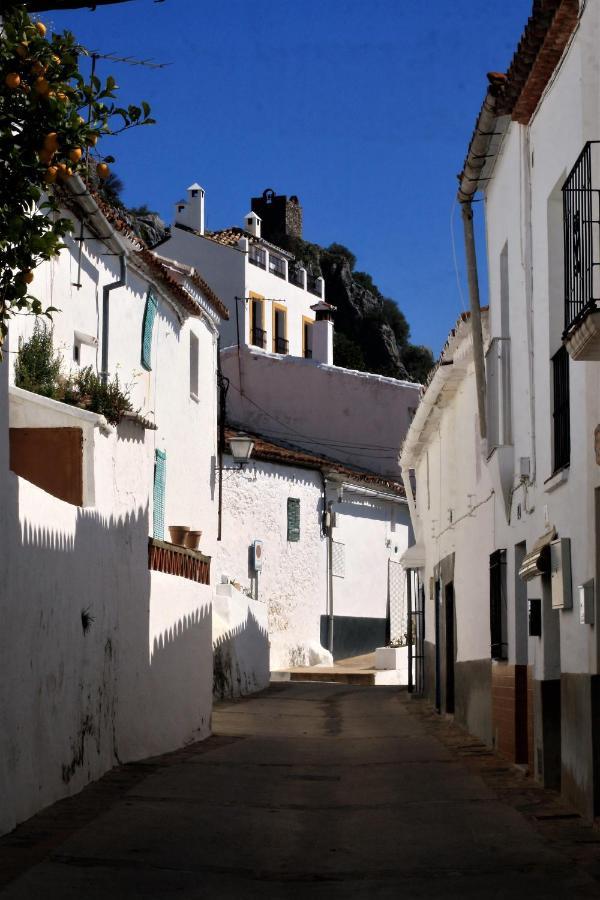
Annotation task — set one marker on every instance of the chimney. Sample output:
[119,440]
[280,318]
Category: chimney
[322,342]
[252,224]
[190,212]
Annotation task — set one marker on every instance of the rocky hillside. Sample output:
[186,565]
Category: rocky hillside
[371,332]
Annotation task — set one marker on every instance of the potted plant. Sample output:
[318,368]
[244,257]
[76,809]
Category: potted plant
[178,533]
[192,539]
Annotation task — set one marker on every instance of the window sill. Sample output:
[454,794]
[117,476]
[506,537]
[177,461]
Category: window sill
[555,480]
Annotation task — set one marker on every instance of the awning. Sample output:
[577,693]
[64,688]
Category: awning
[537,562]
[414,557]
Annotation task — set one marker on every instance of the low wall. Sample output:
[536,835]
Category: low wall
[240,642]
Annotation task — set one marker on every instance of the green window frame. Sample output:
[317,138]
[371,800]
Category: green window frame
[147,328]
[293,519]
[158,505]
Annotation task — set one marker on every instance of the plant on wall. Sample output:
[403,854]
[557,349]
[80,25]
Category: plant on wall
[51,119]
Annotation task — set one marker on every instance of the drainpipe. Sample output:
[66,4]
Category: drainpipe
[478,358]
[120,282]
[469,180]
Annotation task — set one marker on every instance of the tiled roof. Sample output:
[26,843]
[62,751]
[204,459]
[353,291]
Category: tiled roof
[268,450]
[230,237]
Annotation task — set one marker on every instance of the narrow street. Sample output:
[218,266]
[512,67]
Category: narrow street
[309,791]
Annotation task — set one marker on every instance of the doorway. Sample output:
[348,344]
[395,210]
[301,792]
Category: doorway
[449,646]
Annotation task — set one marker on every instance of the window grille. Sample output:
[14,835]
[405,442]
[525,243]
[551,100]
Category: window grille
[499,642]
[257,256]
[581,221]
[338,559]
[560,409]
[293,519]
[147,326]
[158,506]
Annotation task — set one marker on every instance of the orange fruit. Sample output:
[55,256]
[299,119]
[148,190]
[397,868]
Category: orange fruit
[27,277]
[56,59]
[45,156]
[51,173]
[51,141]
[12,80]
[102,171]
[41,28]
[62,97]
[41,86]
[92,140]
[75,154]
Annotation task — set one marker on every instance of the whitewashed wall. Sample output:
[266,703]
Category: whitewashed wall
[354,417]
[293,580]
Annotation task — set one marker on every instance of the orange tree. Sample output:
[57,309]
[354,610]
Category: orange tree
[51,119]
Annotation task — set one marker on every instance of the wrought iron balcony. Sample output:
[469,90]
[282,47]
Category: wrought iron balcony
[257,257]
[581,218]
[295,276]
[258,337]
[281,345]
[312,285]
[276,266]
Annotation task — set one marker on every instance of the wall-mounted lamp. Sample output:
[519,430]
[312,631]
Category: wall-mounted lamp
[241,448]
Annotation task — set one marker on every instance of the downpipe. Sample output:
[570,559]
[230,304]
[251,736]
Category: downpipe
[121,281]
[475,309]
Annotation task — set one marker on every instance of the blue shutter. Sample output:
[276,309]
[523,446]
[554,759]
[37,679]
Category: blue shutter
[160,474]
[149,316]
[293,519]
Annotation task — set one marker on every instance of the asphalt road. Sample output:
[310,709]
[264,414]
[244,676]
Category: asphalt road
[311,791]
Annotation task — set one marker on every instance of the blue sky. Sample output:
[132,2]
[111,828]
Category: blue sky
[363,108]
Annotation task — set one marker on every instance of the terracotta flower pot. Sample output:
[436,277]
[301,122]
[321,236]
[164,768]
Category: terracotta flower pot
[192,539]
[178,533]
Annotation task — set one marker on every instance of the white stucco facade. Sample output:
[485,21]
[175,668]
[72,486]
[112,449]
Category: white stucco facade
[356,417]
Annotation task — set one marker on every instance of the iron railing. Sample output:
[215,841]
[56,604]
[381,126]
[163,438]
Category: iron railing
[295,276]
[281,345]
[276,266]
[498,393]
[561,414]
[258,337]
[581,222]
[312,286]
[257,257]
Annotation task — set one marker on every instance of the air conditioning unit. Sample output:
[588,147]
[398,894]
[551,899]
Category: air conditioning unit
[560,574]
[257,555]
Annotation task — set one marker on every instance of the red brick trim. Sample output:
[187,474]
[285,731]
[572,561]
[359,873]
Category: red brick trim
[175,560]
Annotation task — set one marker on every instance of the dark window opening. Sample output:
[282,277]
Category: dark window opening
[498,628]
[561,427]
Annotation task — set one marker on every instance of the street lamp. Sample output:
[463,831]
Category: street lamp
[241,448]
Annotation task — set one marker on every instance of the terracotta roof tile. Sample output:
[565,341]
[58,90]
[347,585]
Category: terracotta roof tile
[269,450]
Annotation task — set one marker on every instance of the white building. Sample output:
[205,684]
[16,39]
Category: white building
[330,537]
[106,642]
[269,297]
[534,155]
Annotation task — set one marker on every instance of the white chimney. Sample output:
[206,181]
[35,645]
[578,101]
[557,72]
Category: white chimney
[190,212]
[322,336]
[252,224]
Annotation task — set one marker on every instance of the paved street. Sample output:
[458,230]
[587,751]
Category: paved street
[310,791]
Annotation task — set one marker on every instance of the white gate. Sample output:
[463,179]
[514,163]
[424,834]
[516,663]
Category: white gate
[397,599]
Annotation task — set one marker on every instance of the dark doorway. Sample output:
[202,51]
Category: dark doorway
[449,647]
[438,692]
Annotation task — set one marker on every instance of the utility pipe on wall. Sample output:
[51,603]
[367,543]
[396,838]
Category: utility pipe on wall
[476,332]
[120,282]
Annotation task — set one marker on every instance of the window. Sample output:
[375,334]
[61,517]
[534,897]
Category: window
[257,256]
[498,632]
[276,266]
[581,216]
[158,506]
[307,338]
[293,519]
[498,393]
[147,326]
[561,426]
[258,334]
[194,349]
[280,342]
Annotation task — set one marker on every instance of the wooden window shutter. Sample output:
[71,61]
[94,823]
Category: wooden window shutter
[148,324]
[293,519]
[158,510]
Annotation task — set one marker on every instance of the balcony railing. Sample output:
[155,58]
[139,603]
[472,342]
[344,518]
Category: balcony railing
[176,560]
[281,345]
[258,337]
[313,285]
[295,276]
[276,266]
[581,220]
[257,257]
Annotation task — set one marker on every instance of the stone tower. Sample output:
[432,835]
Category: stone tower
[281,216]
